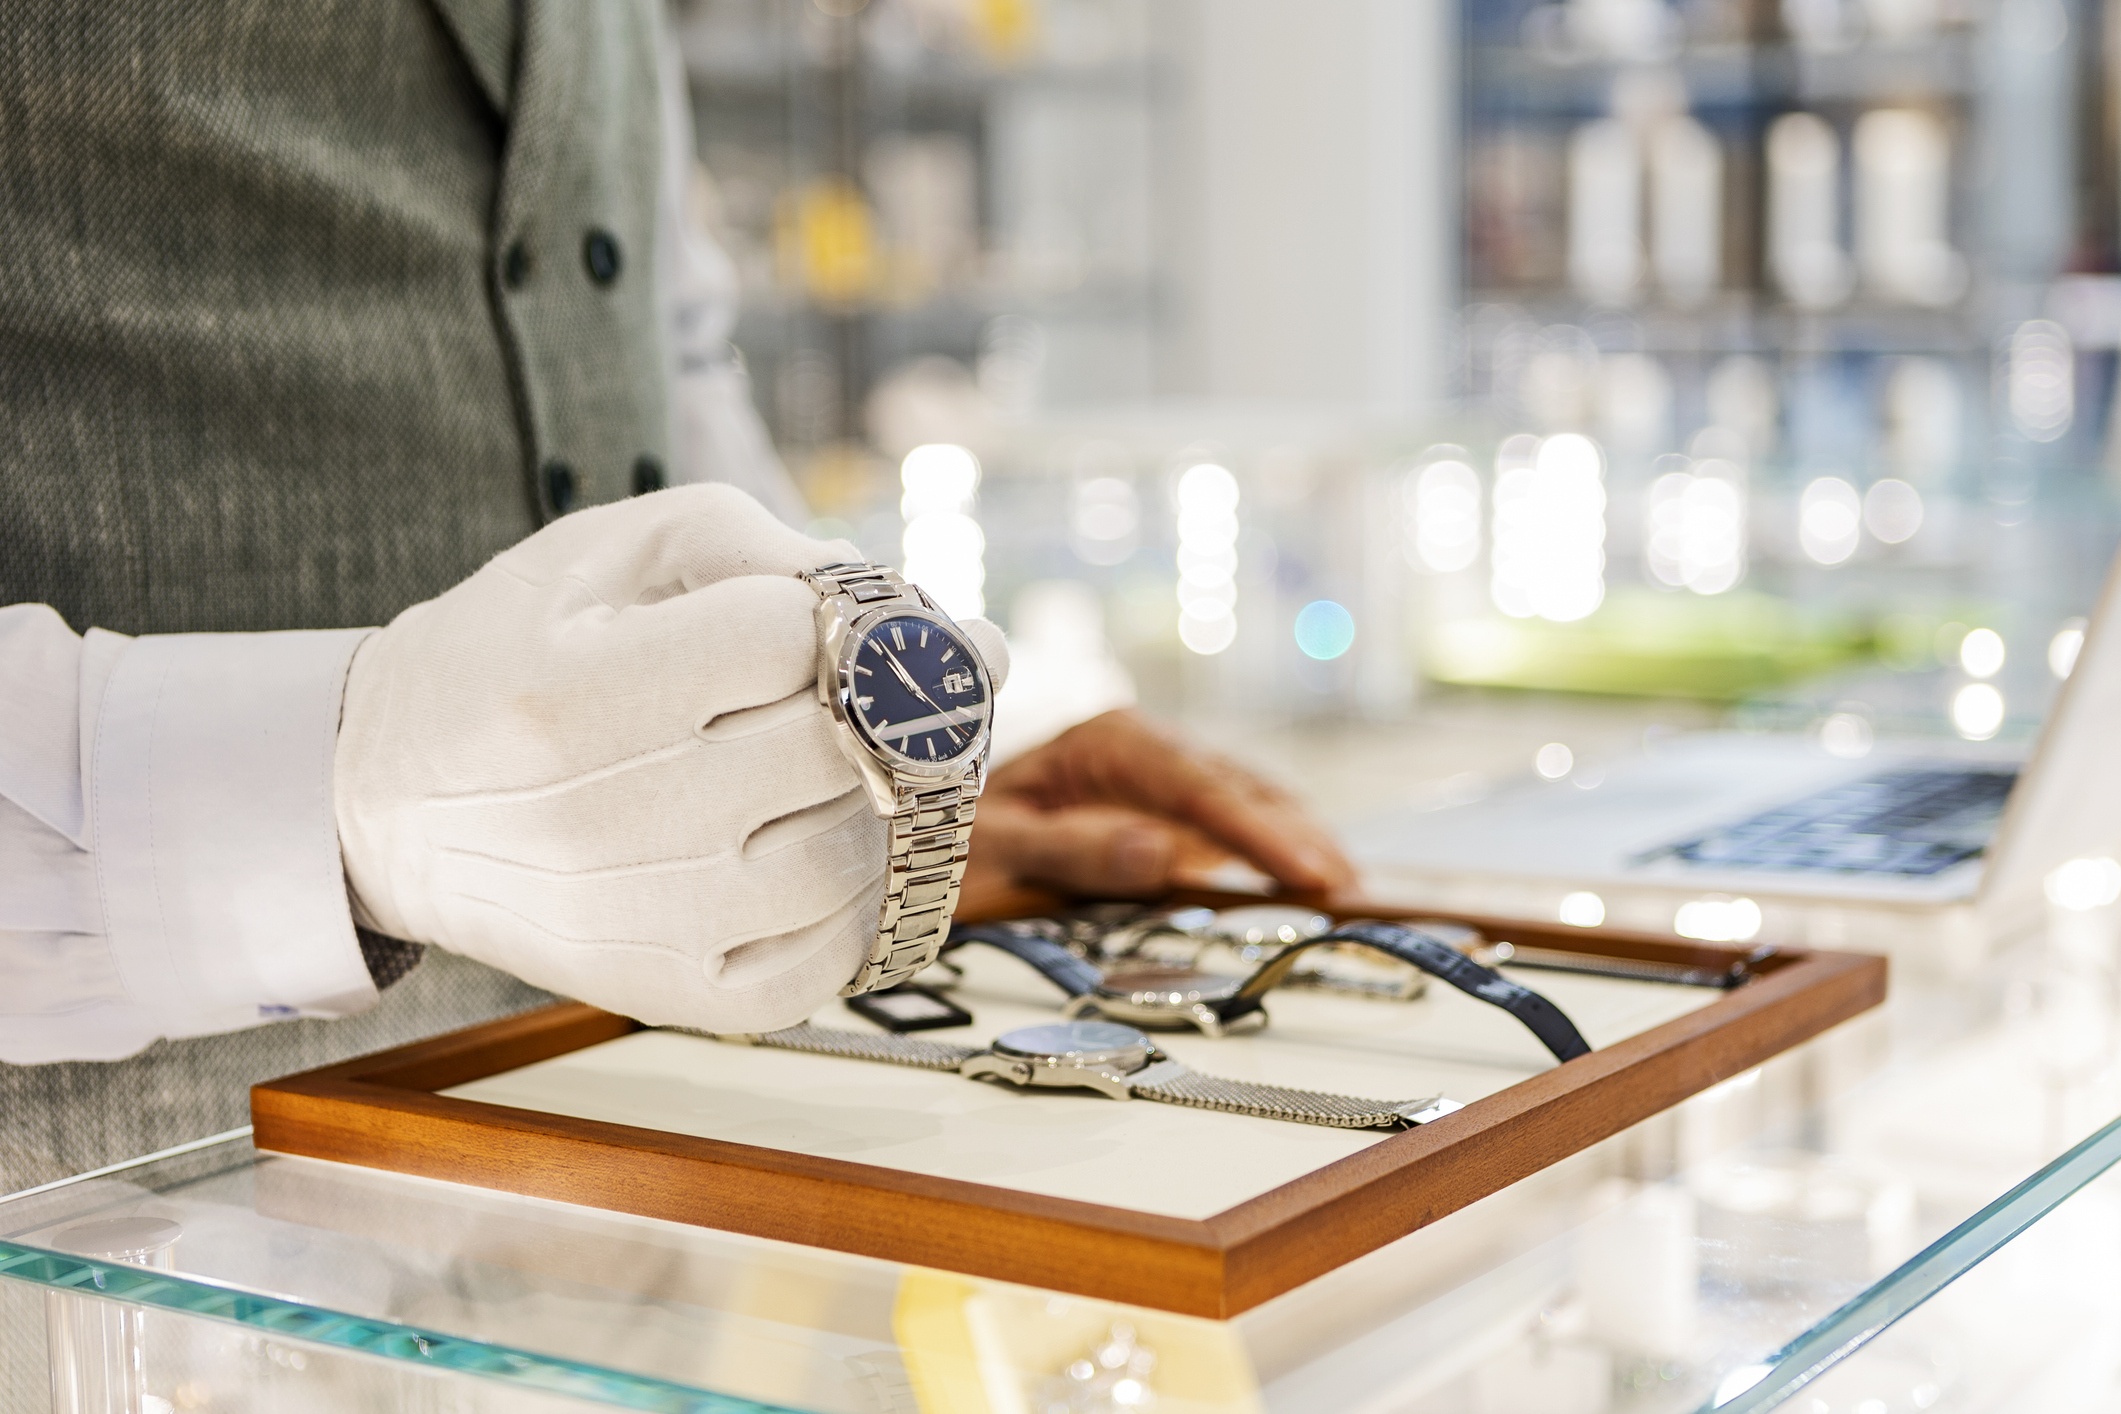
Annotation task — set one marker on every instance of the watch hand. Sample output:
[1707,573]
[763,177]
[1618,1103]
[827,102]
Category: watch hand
[915,688]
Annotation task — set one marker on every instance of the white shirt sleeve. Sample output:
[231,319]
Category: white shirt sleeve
[716,433]
[169,863]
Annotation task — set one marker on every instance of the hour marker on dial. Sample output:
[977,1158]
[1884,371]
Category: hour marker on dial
[866,672]
[948,654]
[924,638]
[898,638]
[864,702]
[931,745]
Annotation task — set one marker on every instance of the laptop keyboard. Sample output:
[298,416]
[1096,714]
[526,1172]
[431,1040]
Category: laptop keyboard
[1911,822]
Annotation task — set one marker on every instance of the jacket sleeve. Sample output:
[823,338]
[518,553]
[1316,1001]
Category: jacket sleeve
[716,433]
[169,864]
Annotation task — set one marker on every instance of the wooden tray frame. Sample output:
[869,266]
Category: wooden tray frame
[381,1111]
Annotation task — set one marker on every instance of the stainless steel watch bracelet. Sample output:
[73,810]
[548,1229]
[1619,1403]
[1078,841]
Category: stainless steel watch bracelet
[931,822]
[931,832]
[1164,1079]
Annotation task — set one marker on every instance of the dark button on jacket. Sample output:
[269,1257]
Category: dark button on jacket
[600,252]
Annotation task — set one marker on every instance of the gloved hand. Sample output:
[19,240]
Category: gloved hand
[600,764]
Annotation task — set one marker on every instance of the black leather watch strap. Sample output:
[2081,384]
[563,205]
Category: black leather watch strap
[1055,963]
[1540,1016]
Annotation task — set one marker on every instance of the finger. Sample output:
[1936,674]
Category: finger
[1090,849]
[1122,757]
[699,907]
[668,543]
[1314,857]
[703,796]
[651,673]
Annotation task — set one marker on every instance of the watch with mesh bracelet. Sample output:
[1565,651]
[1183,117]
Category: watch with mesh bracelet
[1113,1060]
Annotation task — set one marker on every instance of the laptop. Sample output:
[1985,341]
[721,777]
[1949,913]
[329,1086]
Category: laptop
[1810,839]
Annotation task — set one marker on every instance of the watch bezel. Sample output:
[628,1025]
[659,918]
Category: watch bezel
[852,635]
[1125,1057]
[1155,986]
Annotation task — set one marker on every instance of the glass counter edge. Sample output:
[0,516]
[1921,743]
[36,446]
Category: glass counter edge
[90,1279]
[1782,1376]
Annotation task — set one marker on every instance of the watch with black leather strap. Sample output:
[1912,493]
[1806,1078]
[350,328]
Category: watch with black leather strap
[1198,939]
[1540,1016]
[1151,997]
[1113,1060]
[1167,998]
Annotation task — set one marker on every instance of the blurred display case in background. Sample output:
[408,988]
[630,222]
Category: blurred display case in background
[1249,357]
[1828,281]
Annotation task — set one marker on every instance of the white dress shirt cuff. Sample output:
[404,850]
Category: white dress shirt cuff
[210,810]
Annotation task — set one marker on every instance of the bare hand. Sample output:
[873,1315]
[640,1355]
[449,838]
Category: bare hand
[1118,807]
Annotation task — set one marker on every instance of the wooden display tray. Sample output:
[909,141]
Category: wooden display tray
[382,1111]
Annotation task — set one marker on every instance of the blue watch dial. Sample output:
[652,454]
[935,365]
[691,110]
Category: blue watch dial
[917,690]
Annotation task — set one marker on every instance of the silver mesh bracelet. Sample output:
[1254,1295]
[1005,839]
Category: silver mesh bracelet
[931,823]
[854,1045]
[1174,1084]
[1164,1080]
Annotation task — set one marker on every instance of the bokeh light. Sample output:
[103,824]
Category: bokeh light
[1207,558]
[1977,711]
[943,546]
[1105,515]
[1981,653]
[1829,520]
[1553,760]
[1441,504]
[2040,379]
[2063,648]
[2084,884]
[1718,919]
[1846,734]
[1324,629]
[1549,532]
[1892,511]
[1697,528]
[1582,910]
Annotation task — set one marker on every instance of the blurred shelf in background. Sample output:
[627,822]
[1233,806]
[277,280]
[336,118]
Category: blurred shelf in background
[1611,346]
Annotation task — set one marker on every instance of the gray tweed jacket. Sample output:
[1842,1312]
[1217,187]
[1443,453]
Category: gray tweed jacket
[307,308]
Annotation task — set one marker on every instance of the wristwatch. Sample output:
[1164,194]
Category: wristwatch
[1154,997]
[1233,941]
[1164,998]
[1433,956]
[1113,1060]
[910,701]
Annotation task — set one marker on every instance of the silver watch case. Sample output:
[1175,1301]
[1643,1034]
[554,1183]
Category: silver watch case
[1162,999]
[841,626]
[1068,1055]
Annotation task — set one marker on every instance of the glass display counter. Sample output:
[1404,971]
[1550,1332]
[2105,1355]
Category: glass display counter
[1710,1254]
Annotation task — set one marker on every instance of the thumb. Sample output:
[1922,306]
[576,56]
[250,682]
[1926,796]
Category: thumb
[993,648]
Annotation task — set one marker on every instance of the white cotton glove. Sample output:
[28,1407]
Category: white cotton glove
[600,764]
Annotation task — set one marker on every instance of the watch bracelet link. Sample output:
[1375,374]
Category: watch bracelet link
[931,835]
[931,823]
[865,583]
